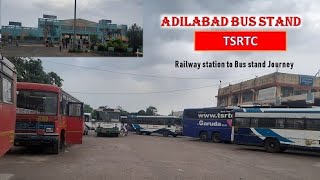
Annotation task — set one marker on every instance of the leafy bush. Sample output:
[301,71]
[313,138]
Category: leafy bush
[75,51]
[102,47]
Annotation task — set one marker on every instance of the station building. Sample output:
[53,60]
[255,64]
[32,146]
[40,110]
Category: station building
[274,89]
[50,28]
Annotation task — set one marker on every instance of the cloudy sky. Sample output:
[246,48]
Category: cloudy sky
[106,81]
[28,12]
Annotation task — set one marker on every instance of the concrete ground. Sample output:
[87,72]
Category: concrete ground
[154,157]
[39,50]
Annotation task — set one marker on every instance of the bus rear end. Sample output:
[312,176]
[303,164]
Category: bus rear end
[37,116]
[8,80]
[208,124]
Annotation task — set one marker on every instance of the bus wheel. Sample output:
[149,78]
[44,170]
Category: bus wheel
[204,136]
[272,145]
[148,133]
[165,134]
[216,137]
[174,135]
[56,147]
[116,135]
[62,140]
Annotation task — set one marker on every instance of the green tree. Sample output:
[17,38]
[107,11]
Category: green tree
[94,114]
[135,36]
[93,39]
[31,70]
[87,108]
[142,112]
[151,111]
[123,112]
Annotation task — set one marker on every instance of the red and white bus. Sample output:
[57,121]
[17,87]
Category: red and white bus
[47,115]
[8,82]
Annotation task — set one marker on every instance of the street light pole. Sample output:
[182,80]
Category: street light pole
[74,24]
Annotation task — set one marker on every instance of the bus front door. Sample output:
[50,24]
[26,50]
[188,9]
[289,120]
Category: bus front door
[75,121]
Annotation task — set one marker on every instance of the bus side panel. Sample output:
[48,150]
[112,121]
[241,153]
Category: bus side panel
[74,130]
[192,128]
[7,127]
[247,136]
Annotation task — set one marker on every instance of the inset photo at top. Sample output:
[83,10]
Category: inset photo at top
[71,28]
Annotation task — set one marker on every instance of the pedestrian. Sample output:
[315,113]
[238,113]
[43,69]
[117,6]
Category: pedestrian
[60,47]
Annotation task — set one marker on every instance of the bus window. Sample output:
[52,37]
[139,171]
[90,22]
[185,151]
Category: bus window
[295,124]
[313,124]
[7,90]
[254,122]
[242,122]
[280,123]
[267,123]
[75,109]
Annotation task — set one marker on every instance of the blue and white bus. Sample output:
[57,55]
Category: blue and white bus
[208,124]
[277,129]
[165,125]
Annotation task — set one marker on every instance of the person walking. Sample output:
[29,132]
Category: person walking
[60,47]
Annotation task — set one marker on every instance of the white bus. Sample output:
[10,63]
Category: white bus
[277,128]
[165,125]
[89,122]
[108,122]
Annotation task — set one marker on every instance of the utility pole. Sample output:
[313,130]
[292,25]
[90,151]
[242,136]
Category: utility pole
[74,24]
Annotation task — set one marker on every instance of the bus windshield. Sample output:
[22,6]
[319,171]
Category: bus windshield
[108,116]
[34,102]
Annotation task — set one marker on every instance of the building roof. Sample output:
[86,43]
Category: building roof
[262,82]
[80,22]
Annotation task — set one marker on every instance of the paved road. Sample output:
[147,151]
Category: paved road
[154,157]
[40,51]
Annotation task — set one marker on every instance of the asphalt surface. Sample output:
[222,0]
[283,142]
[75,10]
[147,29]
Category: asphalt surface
[39,50]
[154,157]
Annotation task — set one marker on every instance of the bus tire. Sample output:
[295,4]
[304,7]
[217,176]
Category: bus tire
[148,133]
[216,137]
[204,136]
[55,147]
[174,135]
[272,145]
[116,135]
[62,140]
[165,134]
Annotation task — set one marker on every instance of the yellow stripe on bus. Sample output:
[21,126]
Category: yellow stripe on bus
[6,133]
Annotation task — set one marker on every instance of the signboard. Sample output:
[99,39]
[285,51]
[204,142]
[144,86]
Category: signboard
[267,94]
[12,23]
[49,16]
[306,80]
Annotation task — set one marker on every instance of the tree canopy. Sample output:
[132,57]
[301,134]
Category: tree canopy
[87,108]
[31,70]
[151,111]
[135,36]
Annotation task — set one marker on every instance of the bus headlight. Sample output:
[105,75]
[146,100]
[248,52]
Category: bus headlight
[49,130]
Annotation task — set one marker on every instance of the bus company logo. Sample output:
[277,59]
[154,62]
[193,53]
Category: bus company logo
[216,124]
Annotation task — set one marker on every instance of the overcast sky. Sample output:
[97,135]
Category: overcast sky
[163,46]
[119,11]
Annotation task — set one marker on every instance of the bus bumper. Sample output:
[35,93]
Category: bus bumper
[32,140]
[107,131]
